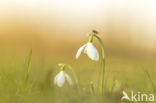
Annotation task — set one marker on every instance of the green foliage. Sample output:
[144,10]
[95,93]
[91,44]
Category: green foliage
[41,89]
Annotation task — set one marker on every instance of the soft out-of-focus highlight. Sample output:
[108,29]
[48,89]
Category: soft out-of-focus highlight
[130,24]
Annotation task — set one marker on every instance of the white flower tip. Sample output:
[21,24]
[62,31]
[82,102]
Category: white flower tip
[79,51]
[76,56]
[97,59]
[60,79]
[92,52]
[69,79]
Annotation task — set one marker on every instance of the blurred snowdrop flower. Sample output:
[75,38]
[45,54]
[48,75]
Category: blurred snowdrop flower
[61,77]
[90,50]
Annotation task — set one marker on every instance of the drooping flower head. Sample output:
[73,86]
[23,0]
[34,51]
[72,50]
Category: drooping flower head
[93,54]
[62,77]
[89,49]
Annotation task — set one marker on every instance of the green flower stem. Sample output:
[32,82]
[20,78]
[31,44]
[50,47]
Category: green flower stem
[103,64]
[75,77]
[62,68]
[90,38]
[74,74]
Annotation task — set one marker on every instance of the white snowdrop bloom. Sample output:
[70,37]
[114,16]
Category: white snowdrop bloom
[90,50]
[61,77]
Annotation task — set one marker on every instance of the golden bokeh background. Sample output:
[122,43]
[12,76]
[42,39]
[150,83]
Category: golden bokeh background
[126,26]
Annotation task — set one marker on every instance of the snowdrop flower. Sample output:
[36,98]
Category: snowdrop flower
[93,54]
[61,77]
[90,50]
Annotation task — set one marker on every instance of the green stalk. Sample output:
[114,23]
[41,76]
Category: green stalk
[74,74]
[28,66]
[103,64]
[75,77]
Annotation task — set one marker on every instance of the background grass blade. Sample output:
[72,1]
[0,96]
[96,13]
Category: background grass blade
[28,66]
[92,88]
[151,81]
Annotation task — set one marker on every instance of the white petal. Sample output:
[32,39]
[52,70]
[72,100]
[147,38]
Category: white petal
[68,79]
[92,52]
[60,79]
[55,79]
[79,51]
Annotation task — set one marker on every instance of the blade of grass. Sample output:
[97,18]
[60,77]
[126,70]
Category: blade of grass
[115,85]
[149,77]
[92,88]
[28,66]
